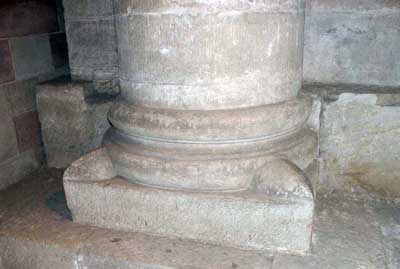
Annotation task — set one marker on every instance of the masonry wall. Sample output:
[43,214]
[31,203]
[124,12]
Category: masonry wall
[353,42]
[91,39]
[32,49]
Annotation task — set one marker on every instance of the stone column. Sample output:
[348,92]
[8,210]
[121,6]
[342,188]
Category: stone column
[209,91]
[209,135]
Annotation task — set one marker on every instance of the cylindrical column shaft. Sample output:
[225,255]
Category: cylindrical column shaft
[209,91]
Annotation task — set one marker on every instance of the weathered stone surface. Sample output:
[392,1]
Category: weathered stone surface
[277,209]
[359,143]
[78,9]
[205,166]
[32,236]
[73,123]
[8,140]
[201,107]
[238,54]
[348,234]
[27,128]
[352,42]
[92,49]
[16,167]
[21,96]
[19,18]
[209,128]
[91,39]
[6,63]
[32,56]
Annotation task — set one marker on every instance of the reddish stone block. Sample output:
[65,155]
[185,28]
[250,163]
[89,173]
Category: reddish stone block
[27,127]
[19,18]
[6,65]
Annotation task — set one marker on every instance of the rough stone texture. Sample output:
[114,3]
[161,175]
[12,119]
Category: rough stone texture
[360,138]
[6,64]
[275,214]
[348,234]
[27,127]
[73,117]
[32,236]
[218,55]
[91,39]
[16,167]
[8,139]
[21,18]
[32,56]
[209,121]
[201,107]
[352,42]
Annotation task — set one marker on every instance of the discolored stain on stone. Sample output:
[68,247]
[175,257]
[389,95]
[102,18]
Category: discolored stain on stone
[6,63]
[27,127]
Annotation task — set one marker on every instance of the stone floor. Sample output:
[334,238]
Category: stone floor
[35,232]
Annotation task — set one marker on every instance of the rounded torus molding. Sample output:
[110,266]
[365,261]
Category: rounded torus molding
[207,55]
[192,126]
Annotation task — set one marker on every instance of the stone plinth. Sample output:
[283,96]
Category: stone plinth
[275,214]
[209,136]
[73,118]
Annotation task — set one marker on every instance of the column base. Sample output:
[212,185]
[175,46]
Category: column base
[274,214]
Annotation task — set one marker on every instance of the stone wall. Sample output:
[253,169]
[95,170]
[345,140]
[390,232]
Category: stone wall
[91,39]
[359,139]
[32,49]
[353,42]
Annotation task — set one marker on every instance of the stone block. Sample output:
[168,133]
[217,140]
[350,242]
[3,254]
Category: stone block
[27,128]
[352,42]
[8,140]
[360,140]
[78,9]
[6,64]
[73,123]
[32,56]
[92,49]
[21,18]
[16,167]
[33,236]
[267,217]
[21,96]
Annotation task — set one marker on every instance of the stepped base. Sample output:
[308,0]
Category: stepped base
[276,217]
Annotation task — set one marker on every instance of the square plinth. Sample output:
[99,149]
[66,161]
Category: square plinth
[246,219]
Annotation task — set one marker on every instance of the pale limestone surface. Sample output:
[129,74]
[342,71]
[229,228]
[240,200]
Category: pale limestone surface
[359,143]
[73,119]
[276,214]
[209,128]
[352,42]
[349,233]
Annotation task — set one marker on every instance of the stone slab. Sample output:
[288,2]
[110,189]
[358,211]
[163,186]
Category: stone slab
[348,236]
[250,219]
[32,56]
[359,143]
[352,42]
[32,236]
[73,118]
[35,237]
[345,137]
